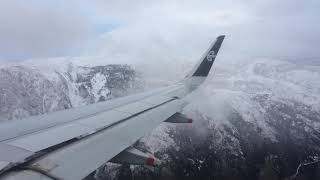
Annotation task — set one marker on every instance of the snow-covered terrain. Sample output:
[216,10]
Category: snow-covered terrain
[253,119]
[257,119]
[27,89]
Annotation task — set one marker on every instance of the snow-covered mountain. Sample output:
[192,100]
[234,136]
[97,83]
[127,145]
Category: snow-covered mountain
[257,119]
[253,120]
[30,90]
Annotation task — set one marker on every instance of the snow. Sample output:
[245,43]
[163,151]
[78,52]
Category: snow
[35,87]
[98,83]
[234,86]
[158,139]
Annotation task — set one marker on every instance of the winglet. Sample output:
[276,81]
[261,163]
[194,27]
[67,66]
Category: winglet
[202,69]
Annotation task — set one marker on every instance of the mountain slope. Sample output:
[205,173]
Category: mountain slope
[253,120]
[27,91]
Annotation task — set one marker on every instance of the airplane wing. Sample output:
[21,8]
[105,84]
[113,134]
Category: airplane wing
[71,144]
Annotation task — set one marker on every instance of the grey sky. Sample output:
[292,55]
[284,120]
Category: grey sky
[148,28]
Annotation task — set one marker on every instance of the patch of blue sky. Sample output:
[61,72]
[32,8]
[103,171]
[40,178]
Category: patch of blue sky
[105,28]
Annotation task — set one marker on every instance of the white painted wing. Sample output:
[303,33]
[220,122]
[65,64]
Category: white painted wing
[73,143]
[96,132]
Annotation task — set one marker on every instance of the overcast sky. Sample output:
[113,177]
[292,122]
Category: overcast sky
[147,28]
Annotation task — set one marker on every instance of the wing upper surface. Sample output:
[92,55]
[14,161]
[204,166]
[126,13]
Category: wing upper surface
[71,144]
[85,128]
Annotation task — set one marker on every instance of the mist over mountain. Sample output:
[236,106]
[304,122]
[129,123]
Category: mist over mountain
[252,119]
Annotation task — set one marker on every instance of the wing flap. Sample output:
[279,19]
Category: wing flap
[45,140]
[155,100]
[104,119]
[100,147]
[42,140]
[9,153]
[135,107]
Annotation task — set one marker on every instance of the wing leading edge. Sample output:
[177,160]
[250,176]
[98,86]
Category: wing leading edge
[73,143]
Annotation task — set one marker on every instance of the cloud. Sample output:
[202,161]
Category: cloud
[38,28]
[185,28]
[153,30]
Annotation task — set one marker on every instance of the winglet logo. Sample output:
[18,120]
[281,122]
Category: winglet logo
[211,55]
